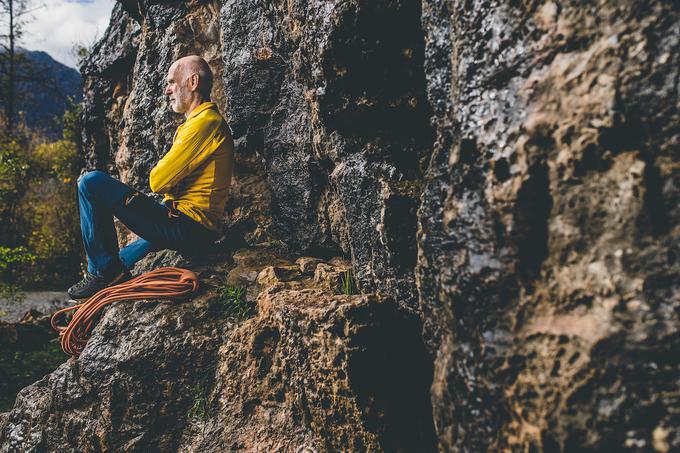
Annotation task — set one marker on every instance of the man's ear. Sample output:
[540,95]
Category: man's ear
[193,81]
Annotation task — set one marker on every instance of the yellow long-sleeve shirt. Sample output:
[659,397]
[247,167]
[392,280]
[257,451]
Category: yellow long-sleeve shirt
[196,172]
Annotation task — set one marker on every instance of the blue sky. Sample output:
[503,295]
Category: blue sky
[62,23]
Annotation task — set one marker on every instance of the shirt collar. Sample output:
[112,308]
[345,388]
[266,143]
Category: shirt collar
[200,108]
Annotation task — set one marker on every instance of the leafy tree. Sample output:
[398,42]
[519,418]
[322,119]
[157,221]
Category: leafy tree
[49,208]
[38,207]
[72,122]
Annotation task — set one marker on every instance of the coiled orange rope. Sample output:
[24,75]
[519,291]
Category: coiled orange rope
[165,282]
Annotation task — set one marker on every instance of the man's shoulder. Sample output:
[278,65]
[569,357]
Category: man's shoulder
[211,117]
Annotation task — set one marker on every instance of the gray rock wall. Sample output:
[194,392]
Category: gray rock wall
[331,96]
[548,230]
[506,172]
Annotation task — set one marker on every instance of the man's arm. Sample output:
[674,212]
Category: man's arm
[189,150]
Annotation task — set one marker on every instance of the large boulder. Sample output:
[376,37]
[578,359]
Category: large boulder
[548,232]
[305,369]
[130,388]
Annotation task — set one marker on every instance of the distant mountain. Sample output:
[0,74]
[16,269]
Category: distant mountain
[44,92]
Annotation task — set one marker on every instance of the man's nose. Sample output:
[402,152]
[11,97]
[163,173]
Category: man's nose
[168,90]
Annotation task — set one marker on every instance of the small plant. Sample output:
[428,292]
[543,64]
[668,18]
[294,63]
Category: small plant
[347,282]
[200,407]
[233,303]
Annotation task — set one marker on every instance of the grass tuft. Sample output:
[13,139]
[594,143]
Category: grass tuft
[347,281]
[200,407]
[233,304]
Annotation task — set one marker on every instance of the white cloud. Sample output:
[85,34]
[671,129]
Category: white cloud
[62,23]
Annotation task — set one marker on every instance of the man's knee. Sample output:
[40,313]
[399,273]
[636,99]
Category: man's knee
[89,179]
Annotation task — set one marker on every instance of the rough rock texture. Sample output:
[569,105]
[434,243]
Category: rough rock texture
[500,175]
[118,396]
[548,233]
[319,371]
[310,370]
[107,79]
[331,95]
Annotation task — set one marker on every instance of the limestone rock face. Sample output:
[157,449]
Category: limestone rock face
[107,81]
[548,232]
[501,179]
[331,95]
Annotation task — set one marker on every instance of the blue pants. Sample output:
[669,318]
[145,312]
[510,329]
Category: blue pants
[100,197]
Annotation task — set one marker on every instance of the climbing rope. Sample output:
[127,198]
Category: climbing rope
[164,282]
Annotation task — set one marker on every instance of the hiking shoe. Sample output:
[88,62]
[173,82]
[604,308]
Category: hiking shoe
[92,284]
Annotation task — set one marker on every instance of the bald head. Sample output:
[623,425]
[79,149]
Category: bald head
[193,64]
[189,83]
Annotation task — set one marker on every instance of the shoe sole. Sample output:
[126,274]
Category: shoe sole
[115,281]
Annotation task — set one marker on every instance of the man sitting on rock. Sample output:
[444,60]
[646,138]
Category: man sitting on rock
[194,177]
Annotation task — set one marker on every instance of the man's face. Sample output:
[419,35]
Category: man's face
[176,89]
